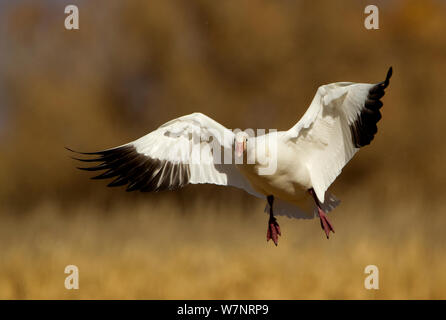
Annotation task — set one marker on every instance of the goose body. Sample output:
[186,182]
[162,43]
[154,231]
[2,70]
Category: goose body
[291,179]
[305,159]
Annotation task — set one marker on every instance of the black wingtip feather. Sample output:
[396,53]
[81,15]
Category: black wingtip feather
[136,170]
[102,166]
[80,152]
[119,181]
[88,160]
[126,148]
[389,75]
[364,128]
[106,175]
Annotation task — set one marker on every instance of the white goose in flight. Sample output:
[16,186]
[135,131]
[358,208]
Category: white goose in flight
[307,158]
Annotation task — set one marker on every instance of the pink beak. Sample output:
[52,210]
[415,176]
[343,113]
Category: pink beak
[239,149]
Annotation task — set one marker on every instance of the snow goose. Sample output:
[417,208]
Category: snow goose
[307,158]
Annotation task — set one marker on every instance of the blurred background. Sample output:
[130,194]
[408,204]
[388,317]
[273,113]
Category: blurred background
[134,65]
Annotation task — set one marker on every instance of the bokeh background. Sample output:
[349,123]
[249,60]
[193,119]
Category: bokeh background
[134,65]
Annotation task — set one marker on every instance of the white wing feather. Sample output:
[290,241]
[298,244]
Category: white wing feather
[196,140]
[324,131]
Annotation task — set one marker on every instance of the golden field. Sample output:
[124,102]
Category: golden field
[152,251]
[134,65]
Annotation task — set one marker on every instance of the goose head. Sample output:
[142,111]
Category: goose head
[241,139]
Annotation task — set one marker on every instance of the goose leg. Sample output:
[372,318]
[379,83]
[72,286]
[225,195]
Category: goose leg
[325,223]
[273,227]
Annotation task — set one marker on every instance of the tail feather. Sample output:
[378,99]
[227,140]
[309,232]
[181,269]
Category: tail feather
[284,208]
[329,204]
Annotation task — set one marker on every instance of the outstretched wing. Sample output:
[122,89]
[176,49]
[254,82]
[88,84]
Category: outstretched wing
[191,149]
[341,119]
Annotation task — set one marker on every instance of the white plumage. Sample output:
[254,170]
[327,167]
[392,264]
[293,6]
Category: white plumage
[196,149]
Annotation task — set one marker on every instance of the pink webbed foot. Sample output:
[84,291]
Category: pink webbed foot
[325,223]
[273,230]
